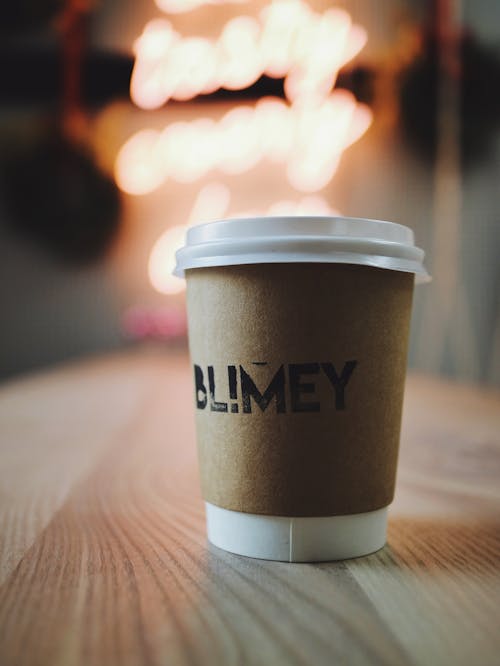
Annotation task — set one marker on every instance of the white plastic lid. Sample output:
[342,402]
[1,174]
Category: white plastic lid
[274,240]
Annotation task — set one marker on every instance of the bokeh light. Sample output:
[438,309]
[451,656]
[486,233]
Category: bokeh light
[288,39]
[162,261]
[308,138]
[305,134]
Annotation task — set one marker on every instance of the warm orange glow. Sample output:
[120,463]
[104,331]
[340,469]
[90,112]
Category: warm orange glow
[288,40]
[237,141]
[162,261]
[319,53]
[280,23]
[212,203]
[309,205]
[138,167]
[181,6]
[306,134]
[238,57]
[150,77]
[308,139]
[277,135]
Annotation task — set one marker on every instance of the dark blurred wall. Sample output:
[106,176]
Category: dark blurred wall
[49,313]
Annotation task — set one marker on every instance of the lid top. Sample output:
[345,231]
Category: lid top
[301,239]
[306,226]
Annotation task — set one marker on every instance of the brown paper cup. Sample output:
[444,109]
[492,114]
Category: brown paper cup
[299,375]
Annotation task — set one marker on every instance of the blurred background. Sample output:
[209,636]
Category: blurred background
[124,122]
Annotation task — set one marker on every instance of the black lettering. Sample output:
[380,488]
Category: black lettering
[200,388]
[276,389]
[339,383]
[233,385]
[214,405]
[295,371]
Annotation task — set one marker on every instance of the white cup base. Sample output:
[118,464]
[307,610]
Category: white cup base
[286,539]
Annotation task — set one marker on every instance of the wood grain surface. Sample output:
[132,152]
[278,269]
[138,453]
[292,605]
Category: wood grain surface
[104,558]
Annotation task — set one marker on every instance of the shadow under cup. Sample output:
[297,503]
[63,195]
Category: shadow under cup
[299,369]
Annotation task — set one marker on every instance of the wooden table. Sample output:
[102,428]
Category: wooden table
[104,558]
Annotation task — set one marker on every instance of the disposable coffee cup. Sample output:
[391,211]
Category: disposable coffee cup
[298,335]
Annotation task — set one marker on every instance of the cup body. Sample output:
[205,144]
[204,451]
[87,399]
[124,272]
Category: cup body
[298,330]
[299,373]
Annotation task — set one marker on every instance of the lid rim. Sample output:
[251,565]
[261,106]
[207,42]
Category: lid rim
[295,239]
[405,266]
